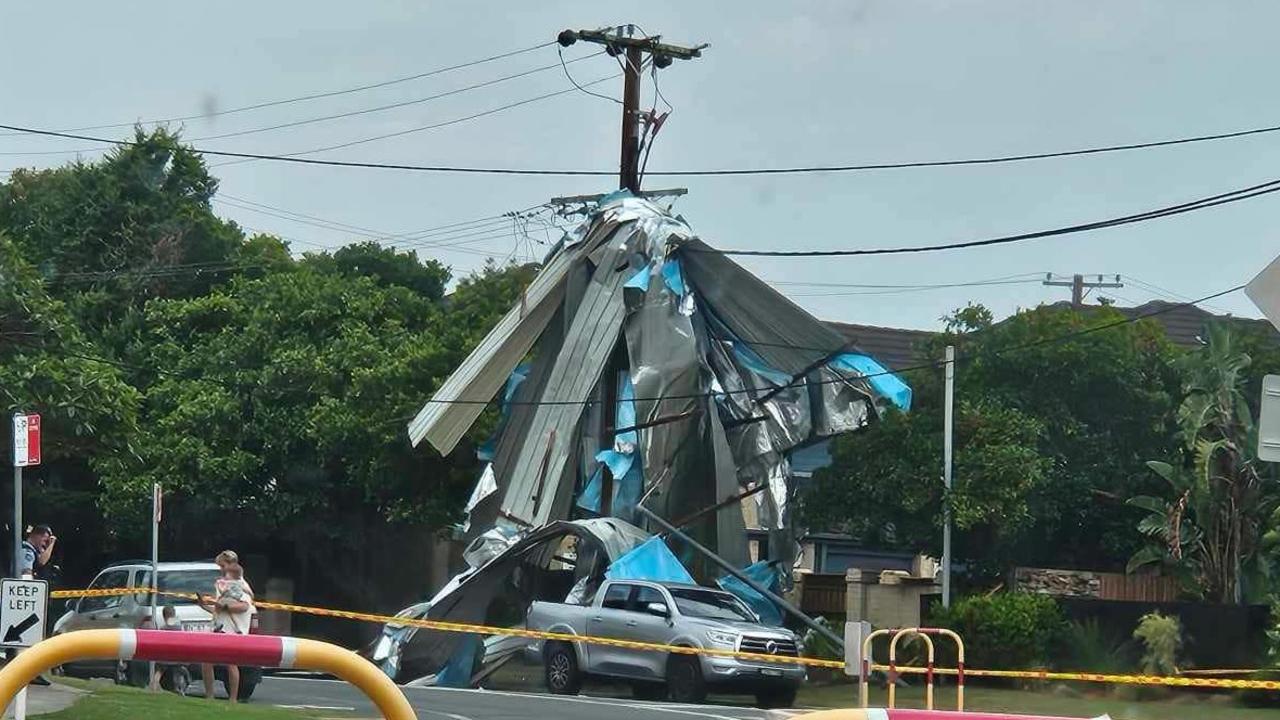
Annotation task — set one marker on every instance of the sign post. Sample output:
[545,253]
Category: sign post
[157,505]
[26,452]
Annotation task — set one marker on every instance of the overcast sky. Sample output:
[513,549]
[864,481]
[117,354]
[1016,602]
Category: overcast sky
[783,83]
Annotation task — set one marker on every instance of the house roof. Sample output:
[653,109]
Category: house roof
[895,348]
[898,348]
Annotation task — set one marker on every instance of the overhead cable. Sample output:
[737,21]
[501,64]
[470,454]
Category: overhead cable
[390,106]
[1170,210]
[797,170]
[319,95]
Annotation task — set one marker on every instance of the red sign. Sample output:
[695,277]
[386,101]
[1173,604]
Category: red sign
[26,440]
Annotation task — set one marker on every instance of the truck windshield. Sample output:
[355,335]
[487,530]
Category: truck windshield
[710,604]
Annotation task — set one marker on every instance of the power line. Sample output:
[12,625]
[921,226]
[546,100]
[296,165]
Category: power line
[316,96]
[890,289]
[1199,204]
[391,106]
[569,77]
[440,237]
[296,156]
[877,286]
[999,159]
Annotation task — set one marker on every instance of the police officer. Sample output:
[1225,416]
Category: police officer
[37,549]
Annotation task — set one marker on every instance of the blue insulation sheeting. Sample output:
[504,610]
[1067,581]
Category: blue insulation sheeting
[883,381]
[650,560]
[763,573]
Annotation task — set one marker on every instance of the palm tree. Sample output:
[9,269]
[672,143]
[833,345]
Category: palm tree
[1210,531]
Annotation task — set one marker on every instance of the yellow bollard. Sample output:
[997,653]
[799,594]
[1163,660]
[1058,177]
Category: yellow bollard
[893,667]
[205,647]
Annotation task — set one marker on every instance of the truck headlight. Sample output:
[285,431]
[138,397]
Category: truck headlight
[719,637]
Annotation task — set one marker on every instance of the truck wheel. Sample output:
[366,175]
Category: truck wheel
[776,698]
[561,666]
[685,681]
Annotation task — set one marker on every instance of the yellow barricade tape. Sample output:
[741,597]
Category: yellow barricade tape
[479,629]
[1097,677]
[1177,681]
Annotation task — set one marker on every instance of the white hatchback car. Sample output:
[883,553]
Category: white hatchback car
[134,611]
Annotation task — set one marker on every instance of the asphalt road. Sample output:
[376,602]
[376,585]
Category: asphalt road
[436,703]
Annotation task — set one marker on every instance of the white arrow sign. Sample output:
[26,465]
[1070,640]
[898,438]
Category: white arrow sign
[1264,291]
[24,606]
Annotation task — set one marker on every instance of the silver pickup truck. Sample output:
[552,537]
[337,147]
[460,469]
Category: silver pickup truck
[666,614]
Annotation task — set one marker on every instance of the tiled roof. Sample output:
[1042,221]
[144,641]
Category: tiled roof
[893,347]
[897,348]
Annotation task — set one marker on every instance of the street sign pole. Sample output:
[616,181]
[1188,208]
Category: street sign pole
[156,503]
[948,430]
[17,521]
[26,451]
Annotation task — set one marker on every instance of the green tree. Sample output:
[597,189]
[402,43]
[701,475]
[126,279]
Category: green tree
[283,401]
[386,266]
[1068,416]
[1211,528]
[88,410]
[883,485]
[110,234]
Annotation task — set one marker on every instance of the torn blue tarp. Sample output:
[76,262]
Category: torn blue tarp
[650,560]
[622,460]
[639,281]
[485,451]
[882,381]
[672,276]
[762,573]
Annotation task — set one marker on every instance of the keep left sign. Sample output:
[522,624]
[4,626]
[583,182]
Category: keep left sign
[26,440]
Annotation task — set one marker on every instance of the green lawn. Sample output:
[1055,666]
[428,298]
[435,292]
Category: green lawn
[111,702]
[1057,700]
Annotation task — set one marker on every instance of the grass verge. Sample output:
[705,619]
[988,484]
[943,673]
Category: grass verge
[112,702]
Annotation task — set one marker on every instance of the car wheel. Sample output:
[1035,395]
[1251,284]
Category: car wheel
[649,691]
[246,690]
[776,698]
[561,666]
[685,681]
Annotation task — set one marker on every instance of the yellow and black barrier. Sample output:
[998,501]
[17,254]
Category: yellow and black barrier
[443,626]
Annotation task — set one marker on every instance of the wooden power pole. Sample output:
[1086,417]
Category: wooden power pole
[622,41]
[1079,285]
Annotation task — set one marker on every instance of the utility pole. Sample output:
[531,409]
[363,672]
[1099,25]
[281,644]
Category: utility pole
[1079,286]
[948,429]
[622,41]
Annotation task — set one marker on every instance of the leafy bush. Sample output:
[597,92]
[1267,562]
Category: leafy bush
[1088,646]
[1005,630]
[817,645]
[1161,638]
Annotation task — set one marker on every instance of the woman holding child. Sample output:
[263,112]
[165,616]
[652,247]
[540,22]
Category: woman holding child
[231,605]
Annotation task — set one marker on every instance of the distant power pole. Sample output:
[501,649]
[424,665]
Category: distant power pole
[1079,285]
[633,50]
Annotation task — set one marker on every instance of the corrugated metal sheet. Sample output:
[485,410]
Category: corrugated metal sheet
[444,421]
[588,344]
[788,338]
